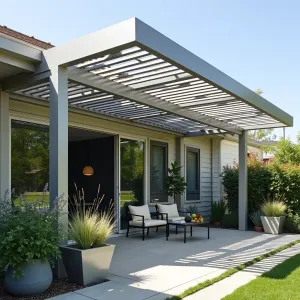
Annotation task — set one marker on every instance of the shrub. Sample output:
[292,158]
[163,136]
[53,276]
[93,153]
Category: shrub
[292,222]
[88,227]
[273,209]
[28,232]
[259,183]
[218,209]
[230,220]
[263,181]
[255,217]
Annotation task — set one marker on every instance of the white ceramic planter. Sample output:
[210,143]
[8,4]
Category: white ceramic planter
[273,225]
[88,266]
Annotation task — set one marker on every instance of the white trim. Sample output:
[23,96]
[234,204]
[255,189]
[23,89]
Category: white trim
[170,200]
[187,145]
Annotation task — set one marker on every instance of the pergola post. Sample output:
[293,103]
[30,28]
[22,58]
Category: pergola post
[243,181]
[59,144]
[4,143]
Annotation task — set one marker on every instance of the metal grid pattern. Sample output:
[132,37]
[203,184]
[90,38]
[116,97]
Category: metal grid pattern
[98,101]
[147,73]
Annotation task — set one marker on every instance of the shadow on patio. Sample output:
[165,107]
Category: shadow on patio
[156,268]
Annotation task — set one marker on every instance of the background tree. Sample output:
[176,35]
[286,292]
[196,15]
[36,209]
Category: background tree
[261,134]
[175,183]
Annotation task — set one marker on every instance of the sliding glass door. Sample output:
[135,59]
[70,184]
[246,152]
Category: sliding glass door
[131,176]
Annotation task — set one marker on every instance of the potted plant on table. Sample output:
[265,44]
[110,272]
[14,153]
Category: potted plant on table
[273,216]
[29,243]
[255,218]
[88,260]
[218,209]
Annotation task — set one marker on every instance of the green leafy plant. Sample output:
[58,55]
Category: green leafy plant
[292,222]
[192,209]
[230,220]
[175,184]
[255,217]
[273,209]
[89,227]
[29,232]
[218,209]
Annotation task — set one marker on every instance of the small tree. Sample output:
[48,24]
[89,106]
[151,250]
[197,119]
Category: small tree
[175,183]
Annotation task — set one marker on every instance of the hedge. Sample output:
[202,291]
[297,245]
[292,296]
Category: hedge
[264,182]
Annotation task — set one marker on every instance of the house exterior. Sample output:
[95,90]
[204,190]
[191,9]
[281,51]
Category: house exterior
[125,101]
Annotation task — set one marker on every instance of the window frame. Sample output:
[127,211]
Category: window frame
[164,192]
[198,191]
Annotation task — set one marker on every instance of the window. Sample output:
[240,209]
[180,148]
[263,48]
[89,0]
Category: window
[158,172]
[29,158]
[132,176]
[193,174]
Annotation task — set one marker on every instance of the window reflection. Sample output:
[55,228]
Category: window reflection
[132,176]
[29,158]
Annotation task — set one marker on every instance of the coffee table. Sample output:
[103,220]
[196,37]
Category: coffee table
[191,225]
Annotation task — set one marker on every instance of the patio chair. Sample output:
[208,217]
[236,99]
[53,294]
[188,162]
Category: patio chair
[172,212]
[139,217]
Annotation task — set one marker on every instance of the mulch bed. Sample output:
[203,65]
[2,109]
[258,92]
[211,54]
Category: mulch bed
[58,287]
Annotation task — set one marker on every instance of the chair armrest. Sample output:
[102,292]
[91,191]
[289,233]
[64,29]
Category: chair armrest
[141,216]
[162,215]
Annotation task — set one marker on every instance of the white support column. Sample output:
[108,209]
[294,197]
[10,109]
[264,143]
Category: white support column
[4,143]
[59,137]
[243,181]
[180,159]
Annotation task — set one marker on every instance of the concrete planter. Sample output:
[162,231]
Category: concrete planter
[36,279]
[273,225]
[87,266]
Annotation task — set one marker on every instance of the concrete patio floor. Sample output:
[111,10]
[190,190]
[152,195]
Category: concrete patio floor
[156,268]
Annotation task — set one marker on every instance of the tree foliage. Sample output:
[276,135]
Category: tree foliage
[261,134]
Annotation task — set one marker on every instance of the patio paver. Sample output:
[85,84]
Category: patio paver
[156,268]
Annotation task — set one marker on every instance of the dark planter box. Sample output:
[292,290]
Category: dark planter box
[88,266]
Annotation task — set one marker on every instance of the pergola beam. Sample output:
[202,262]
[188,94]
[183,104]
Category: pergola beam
[153,41]
[97,82]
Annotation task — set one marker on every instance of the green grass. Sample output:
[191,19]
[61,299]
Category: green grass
[32,197]
[282,282]
[230,272]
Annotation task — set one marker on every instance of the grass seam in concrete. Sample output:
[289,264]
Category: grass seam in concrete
[230,272]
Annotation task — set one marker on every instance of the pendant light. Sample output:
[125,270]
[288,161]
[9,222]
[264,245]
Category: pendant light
[88,171]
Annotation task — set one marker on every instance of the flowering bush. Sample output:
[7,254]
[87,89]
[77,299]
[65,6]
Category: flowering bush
[29,231]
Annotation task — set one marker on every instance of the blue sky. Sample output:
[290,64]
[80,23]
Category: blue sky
[256,42]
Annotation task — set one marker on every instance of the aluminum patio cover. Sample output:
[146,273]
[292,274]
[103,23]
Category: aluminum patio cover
[133,72]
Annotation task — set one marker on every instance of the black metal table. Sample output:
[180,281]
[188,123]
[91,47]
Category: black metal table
[191,225]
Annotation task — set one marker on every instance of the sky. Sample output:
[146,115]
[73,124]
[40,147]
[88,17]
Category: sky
[256,41]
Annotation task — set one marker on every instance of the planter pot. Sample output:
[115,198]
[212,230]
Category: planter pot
[88,266]
[273,225]
[258,228]
[36,279]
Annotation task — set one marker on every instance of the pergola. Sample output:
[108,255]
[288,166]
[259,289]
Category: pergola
[132,72]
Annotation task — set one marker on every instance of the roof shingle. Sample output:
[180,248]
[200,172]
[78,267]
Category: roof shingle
[26,38]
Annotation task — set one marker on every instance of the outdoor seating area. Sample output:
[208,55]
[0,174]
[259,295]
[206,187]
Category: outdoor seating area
[165,215]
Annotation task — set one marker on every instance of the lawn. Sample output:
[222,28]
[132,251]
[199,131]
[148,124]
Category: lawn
[282,282]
